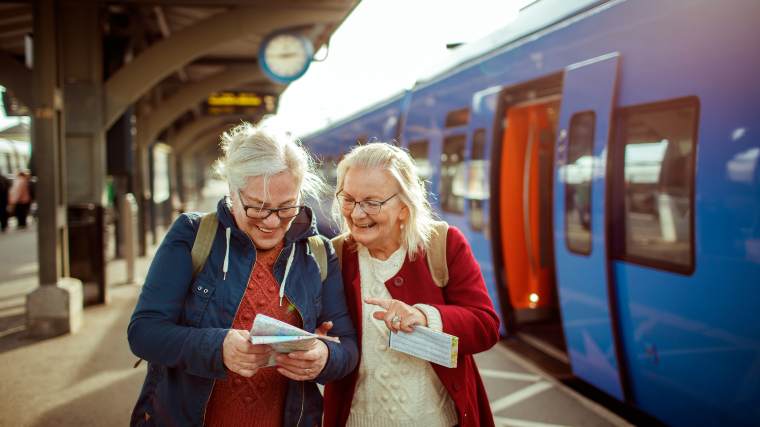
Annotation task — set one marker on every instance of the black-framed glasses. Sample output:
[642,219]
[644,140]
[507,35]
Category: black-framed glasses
[370,207]
[260,212]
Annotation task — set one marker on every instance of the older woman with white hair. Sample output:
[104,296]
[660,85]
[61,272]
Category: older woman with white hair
[382,207]
[195,311]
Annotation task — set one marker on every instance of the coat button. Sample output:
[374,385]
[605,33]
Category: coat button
[457,387]
[398,281]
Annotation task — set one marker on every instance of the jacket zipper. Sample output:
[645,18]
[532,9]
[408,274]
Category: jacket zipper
[213,384]
[303,391]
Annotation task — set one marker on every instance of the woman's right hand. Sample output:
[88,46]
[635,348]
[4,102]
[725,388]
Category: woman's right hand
[242,357]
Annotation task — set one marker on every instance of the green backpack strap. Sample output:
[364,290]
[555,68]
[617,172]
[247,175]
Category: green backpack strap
[203,241]
[436,254]
[317,247]
[337,243]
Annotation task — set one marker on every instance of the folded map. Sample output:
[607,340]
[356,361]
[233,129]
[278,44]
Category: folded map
[283,337]
[427,344]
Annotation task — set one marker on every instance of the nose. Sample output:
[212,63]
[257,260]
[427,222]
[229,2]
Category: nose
[271,221]
[358,212]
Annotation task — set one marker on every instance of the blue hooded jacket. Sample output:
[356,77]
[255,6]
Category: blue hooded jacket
[180,322]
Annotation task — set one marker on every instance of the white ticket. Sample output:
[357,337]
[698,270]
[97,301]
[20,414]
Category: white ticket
[427,344]
[282,337]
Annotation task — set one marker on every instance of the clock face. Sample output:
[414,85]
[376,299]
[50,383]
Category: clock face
[285,57]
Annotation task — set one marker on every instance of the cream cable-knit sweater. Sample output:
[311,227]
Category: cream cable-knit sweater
[394,389]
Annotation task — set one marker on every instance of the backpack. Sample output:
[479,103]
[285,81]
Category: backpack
[205,238]
[436,254]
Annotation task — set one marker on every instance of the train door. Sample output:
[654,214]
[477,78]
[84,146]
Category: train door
[525,186]
[580,223]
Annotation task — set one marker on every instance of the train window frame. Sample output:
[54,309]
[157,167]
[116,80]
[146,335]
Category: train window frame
[619,229]
[457,118]
[478,135]
[460,138]
[570,248]
[426,143]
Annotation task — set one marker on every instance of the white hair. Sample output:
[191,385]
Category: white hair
[250,151]
[415,236]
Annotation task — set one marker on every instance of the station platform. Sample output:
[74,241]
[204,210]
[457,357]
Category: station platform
[88,379]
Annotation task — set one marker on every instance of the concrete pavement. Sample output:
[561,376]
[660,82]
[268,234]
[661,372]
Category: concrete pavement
[87,378]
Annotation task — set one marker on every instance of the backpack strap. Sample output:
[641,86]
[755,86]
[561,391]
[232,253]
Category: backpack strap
[436,254]
[317,247]
[337,243]
[203,241]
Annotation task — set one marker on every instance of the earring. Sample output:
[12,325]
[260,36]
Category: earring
[402,225]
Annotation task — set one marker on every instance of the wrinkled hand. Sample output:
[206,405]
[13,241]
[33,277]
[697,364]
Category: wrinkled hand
[242,357]
[303,365]
[408,316]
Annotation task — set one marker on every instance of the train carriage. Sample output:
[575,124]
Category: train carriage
[602,159]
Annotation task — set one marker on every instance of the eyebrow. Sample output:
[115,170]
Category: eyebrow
[373,197]
[256,202]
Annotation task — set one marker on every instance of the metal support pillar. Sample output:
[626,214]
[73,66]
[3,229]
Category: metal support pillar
[82,69]
[55,307]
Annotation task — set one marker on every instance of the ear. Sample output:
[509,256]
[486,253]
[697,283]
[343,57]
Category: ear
[404,214]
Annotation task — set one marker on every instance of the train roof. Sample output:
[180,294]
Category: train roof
[534,18]
[377,106]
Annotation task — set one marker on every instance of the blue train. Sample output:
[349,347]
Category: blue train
[602,159]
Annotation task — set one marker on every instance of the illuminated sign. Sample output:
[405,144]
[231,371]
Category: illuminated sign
[244,103]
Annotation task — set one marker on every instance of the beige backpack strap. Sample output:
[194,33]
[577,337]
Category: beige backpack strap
[317,247]
[436,254]
[337,243]
[203,241]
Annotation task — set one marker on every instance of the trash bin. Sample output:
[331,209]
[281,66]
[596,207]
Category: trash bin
[87,250]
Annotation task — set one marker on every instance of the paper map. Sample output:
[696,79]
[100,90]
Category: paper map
[282,337]
[427,344]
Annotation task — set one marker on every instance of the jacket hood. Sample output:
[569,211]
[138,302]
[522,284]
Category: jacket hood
[303,226]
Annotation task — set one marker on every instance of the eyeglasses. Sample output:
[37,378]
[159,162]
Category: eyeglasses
[370,207]
[256,212]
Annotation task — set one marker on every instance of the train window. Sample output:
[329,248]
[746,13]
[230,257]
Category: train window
[477,181]
[457,117]
[576,174]
[419,150]
[658,148]
[452,189]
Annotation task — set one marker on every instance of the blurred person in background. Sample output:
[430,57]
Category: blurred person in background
[388,226]
[20,197]
[5,185]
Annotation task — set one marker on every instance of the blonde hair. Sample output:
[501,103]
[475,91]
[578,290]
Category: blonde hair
[250,151]
[415,236]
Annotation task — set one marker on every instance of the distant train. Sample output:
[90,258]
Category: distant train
[14,156]
[602,159]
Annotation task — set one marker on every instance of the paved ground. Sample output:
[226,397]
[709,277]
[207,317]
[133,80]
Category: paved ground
[87,379]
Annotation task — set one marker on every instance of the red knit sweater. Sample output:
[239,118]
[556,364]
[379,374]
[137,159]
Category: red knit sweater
[259,400]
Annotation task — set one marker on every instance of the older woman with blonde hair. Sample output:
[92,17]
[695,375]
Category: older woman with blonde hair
[382,207]
[192,321]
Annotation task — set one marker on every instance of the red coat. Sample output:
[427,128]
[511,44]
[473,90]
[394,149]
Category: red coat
[466,311]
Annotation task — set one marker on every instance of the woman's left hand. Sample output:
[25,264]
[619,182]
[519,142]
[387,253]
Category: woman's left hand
[398,315]
[303,365]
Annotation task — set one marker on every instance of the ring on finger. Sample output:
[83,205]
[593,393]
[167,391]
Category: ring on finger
[395,319]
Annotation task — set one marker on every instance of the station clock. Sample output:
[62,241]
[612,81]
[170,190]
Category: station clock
[285,56]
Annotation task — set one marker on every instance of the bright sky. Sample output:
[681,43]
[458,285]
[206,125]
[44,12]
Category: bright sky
[381,49]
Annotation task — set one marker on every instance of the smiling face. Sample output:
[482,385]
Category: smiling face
[381,232]
[283,191]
